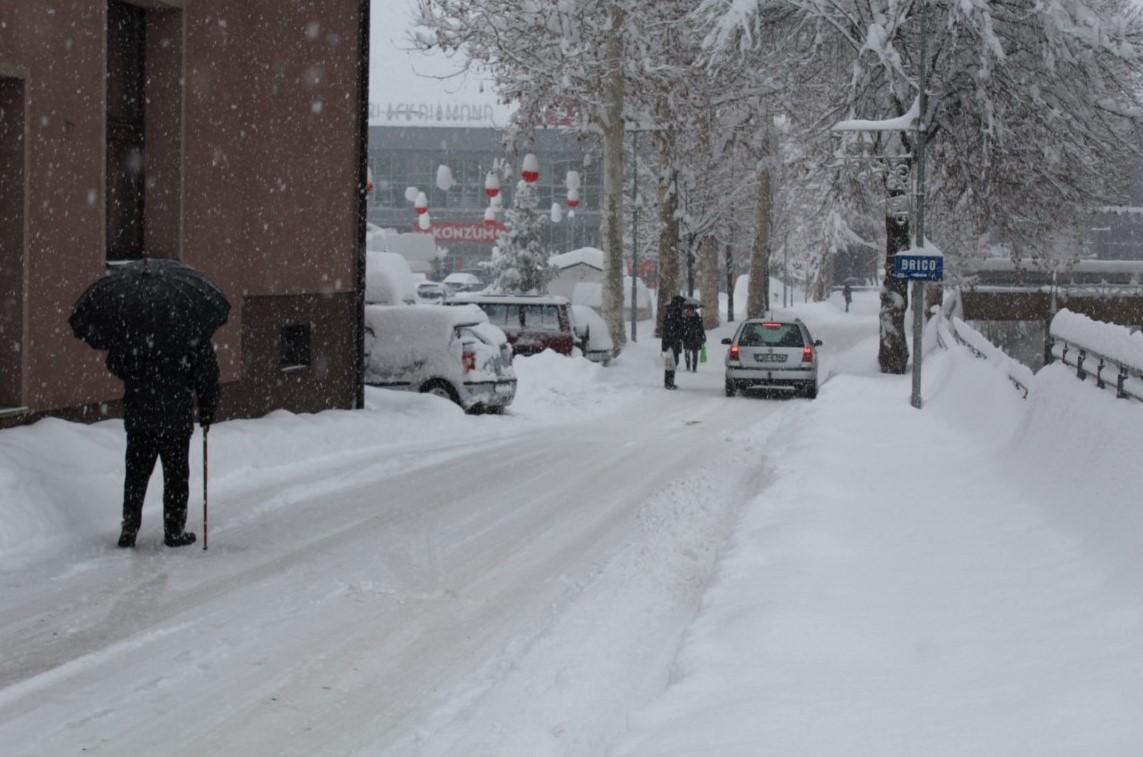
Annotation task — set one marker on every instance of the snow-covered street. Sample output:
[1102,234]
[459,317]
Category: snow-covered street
[608,569]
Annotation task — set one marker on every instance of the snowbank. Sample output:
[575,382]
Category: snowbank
[61,483]
[981,599]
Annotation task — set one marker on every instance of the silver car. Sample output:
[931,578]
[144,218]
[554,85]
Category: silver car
[774,355]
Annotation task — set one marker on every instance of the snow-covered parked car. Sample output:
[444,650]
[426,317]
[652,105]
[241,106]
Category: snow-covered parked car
[453,353]
[533,323]
[591,334]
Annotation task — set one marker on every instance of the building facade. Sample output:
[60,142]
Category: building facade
[158,128]
[409,156]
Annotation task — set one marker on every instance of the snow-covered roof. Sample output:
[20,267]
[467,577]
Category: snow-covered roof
[590,293]
[589,256]
[1002,265]
[508,299]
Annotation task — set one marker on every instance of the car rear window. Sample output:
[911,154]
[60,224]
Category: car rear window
[515,316]
[541,317]
[780,335]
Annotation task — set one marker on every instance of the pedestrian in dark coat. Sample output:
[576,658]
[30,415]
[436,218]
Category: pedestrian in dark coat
[672,337]
[159,402]
[694,336]
[847,294]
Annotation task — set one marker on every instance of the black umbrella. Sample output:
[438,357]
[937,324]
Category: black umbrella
[154,306]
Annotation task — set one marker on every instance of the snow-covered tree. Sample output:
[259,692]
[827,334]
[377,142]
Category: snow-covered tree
[519,262]
[1032,107]
[554,61]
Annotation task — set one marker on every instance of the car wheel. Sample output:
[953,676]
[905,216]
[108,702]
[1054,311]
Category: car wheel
[730,388]
[439,388]
[810,391]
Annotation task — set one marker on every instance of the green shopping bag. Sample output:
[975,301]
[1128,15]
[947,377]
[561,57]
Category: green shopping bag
[702,353]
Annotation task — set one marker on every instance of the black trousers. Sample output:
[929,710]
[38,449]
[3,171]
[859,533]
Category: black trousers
[150,439]
[692,358]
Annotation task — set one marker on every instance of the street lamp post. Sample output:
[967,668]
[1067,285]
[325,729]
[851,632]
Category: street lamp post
[919,286]
[634,228]
[916,264]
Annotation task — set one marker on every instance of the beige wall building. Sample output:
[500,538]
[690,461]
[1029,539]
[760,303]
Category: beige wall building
[229,134]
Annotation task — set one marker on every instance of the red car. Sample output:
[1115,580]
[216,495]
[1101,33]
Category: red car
[532,323]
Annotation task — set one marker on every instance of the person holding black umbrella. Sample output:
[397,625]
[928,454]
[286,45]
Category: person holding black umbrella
[156,318]
[158,415]
[694,336]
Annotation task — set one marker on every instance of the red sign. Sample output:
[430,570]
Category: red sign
[464,231]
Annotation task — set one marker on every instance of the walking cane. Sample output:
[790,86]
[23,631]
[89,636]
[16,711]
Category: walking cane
[204,431]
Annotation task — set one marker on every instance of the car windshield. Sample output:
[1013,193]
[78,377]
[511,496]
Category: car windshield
[770,335]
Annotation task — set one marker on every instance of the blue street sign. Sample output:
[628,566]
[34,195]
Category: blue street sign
[919,267]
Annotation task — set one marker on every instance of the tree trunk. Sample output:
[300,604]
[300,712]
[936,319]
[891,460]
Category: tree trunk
[612,222]
[758,293]
[893,355]
[708,280]
[668,235]
[691,265]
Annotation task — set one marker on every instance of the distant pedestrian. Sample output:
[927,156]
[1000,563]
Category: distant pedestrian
[694,336]
[847,294]
[159,397]
[672,339]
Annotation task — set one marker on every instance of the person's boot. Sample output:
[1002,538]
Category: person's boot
[179,540]
[127,538]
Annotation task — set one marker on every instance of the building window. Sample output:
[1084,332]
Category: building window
[12,194]
[294,347]
[126,82]
[143,190]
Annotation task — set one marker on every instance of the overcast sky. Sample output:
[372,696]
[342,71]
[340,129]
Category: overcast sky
[402,78]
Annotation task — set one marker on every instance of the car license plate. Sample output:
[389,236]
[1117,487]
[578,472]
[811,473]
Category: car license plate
[771,357]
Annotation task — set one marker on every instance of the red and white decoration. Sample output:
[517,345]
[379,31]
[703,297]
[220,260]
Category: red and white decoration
[491,185]
[421,204]
[531,169]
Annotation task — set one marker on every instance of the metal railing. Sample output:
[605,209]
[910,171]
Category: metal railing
[1123,377]
[1019,374]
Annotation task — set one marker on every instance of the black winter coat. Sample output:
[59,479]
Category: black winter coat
[694,335]
[673,325]
[165,387]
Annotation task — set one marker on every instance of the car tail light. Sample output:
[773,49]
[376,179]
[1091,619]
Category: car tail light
[808,354]
[469,360]
[771,325]
[734,352]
